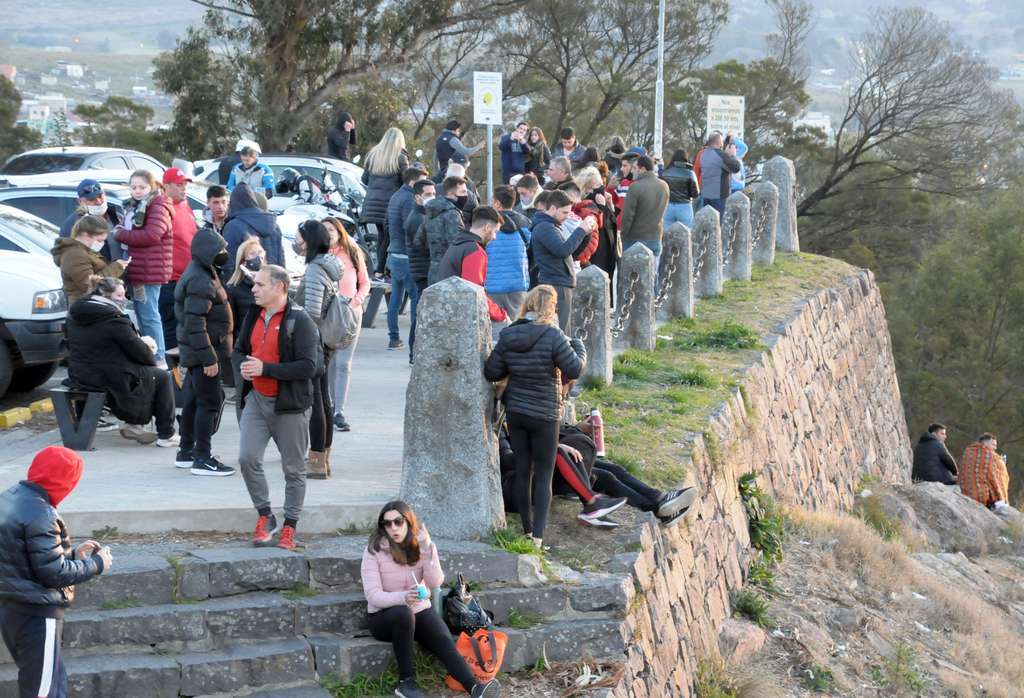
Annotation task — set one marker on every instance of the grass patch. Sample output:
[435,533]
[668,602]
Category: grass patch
[299,591]
[523,621]
[748,603]
[176,596]
[766,524]
[820,679]
[511,542]
[130,602]
[430,676]
[871,511]
[898,673]
[716,679]
[728,335]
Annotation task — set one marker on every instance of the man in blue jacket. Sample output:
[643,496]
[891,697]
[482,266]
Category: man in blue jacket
[514,152]
[508,266]
[553,251]
[400,205]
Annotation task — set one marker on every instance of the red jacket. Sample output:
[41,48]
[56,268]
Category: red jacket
[466,258]
[151,247]
[588,209]
[184,229]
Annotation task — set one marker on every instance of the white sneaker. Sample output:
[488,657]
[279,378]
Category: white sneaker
[172,442]
[106,424]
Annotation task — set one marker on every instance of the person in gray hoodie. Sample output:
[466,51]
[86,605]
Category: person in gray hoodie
[318,286]
[247,218]
[717,165]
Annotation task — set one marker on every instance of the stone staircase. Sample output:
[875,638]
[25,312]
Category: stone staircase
[262,621]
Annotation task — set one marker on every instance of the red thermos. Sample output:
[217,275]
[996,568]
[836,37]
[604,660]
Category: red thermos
[595,419]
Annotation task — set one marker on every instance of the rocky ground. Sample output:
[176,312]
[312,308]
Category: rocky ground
[885,603]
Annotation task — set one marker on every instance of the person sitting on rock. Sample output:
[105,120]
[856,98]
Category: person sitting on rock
[932,461]
[400,565]
[983,475]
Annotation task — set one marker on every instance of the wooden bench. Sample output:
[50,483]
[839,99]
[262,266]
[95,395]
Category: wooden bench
[78,414]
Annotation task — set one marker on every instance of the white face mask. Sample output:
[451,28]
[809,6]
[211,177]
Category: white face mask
[426,199]
[96,245]
[97,210]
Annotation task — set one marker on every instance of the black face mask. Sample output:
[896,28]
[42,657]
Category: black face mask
[461,201]
[253,264]
[220,259]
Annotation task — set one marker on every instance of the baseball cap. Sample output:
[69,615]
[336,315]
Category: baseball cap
[89,189]
[174,175]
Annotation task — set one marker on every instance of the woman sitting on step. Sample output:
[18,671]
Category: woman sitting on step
[400,566]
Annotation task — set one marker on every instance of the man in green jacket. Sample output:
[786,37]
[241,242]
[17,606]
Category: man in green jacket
[644,209]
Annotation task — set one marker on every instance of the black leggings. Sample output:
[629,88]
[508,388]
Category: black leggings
[534,443]
[321,426]
[400,627]
[615,481]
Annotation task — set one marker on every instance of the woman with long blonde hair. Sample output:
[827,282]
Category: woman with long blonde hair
[536,357]
[385,164]
[354,284]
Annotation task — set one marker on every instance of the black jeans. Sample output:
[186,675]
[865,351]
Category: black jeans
[615,481]
[34,644]
[170,323]
[534,443]
[200,413]
[321,424]
[399,626]
[163,400]
[415,291]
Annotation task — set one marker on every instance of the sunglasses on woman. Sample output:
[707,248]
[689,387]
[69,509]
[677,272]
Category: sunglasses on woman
[394,523]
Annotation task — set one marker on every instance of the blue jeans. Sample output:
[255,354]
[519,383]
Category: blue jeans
[400,284]
[679,212]
[148,312]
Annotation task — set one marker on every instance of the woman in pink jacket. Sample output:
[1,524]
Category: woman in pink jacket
[355,285]
[400,567]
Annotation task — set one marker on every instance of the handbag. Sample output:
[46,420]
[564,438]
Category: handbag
[462,612]
[484,653]
[339,324]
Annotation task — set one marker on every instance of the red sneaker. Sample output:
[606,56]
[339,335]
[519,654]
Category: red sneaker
[287,538]
[266,527]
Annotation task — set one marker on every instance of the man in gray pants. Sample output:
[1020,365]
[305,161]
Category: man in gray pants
[278,352]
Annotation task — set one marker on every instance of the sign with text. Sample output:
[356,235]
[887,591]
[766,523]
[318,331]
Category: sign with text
[725,113]
[486,98]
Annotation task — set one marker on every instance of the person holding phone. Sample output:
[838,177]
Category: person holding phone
[400,565]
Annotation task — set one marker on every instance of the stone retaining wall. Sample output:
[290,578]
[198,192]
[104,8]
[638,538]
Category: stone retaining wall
[817,411]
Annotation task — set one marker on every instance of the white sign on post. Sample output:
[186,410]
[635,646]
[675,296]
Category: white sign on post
[725,113]
[486,98]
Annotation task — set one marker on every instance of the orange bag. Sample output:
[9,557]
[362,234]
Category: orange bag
[484,653]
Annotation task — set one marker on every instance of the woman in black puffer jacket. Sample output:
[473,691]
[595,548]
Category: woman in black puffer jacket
[536,357]
[385,164]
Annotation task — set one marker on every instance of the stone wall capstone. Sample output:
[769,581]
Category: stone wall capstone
[636,297]
[736,238]
[677,271]
[781,172]
[591,318]
[707,253]
[764,213]
[451,454]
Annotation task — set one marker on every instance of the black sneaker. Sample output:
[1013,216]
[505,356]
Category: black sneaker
[211,467]
[184,458]
[407,688]
[597,522]
[675,501]
[340,424]
[491,689]
[392,345]
[107,424]
[602,506]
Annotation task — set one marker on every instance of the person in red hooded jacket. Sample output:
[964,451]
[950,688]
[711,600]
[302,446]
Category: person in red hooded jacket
[466,256]
[39,570]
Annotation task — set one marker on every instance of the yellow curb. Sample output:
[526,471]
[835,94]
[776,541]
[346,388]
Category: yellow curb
[41,406]
[8,418]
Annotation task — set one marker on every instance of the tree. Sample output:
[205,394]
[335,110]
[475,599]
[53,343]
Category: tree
[435,81]
[284,60]
[921,114]
[120,123]
[957,325]
[14,138]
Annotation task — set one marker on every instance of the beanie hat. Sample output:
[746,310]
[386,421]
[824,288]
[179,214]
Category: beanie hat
[57,470]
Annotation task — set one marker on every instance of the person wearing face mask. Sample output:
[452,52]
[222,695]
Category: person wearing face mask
[106,354]
[250,258]
[424,191]
[205,332]
[79,257]
[92,201]
[442,220]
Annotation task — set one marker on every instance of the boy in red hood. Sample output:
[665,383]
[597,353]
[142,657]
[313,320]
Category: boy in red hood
[38,570]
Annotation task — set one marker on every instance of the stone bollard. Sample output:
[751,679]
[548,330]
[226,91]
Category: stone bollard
[707,253]
[591,322]
[636,298]
[736,257]
[677,271]
[764,211]
[450,471]
[781,172]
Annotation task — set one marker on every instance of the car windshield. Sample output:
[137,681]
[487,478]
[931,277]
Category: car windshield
[41,163]
[346,184]
[35,230]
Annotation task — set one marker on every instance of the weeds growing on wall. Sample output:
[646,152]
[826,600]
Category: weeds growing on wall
[748,603]
[767,526]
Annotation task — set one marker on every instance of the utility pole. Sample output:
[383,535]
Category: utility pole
[659,85]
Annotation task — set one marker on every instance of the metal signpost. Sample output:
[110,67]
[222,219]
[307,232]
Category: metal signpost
[487,110]
[659,85]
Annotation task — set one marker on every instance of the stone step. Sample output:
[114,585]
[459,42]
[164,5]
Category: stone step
[245,667]
[331,564]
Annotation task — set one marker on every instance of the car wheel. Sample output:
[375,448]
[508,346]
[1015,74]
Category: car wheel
[6,368]
[30,377]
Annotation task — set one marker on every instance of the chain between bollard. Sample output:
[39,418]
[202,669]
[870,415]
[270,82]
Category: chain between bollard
[581,332]
[625,305]
[698,263]
[668,278]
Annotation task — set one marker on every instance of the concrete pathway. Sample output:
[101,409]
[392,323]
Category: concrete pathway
[136,488]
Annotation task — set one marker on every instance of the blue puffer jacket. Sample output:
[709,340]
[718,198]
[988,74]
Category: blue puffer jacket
[508,267]
[739,180]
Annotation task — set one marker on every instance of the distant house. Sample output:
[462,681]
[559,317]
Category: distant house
[74,70]
[102,85]
[49,80]
[57,49]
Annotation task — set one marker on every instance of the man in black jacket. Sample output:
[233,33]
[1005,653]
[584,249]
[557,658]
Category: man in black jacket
[38,570]
[279,353]
[204,342]
[424,192]
[932,461]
